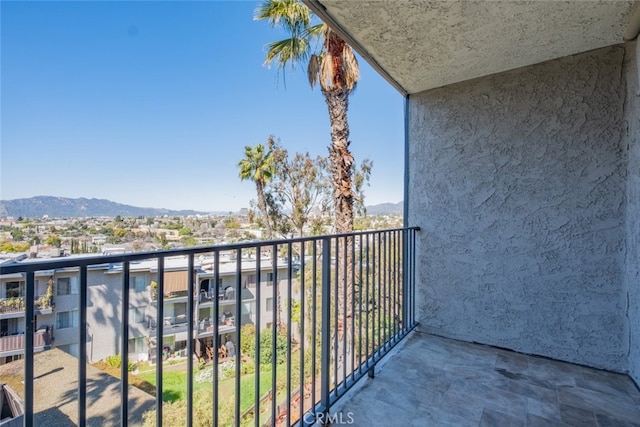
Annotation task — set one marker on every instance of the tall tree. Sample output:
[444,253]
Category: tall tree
[257,166]
[299,189]
[334,67]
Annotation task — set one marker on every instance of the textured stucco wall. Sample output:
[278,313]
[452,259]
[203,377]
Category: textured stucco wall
[632,117]
[518,183]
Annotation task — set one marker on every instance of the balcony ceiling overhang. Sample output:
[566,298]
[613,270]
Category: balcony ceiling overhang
[419,44]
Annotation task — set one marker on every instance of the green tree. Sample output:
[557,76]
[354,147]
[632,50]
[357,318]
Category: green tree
[257,166]
[16,234]
[53,240]
[300,186]
[334,67]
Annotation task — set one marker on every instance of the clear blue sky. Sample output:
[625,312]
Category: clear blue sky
[151,104]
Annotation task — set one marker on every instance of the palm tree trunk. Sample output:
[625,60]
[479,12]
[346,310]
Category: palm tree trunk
[341,158]
[262,205]
[342,166]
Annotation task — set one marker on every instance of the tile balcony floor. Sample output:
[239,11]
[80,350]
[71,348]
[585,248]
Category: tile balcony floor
[434,381]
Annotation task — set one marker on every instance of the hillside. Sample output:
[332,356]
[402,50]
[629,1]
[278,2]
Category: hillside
[62,207]
[386,209]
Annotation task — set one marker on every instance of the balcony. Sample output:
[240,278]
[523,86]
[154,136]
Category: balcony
[336,353]
[15,307]
[14,344]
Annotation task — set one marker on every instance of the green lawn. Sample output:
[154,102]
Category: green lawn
[175,392]
[174,385]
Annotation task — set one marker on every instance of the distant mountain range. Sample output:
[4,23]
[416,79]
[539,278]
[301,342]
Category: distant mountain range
[62,207]
[386,209]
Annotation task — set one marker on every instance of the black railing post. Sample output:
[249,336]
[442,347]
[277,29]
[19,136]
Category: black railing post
[82,352]
[190,347]
[258,395]
[325,346]
[289,325]
[216,335]
[405,279]
[124,344]
[238,323]
[159,341]
[28,350]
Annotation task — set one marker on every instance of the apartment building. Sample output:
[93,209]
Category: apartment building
[57,303]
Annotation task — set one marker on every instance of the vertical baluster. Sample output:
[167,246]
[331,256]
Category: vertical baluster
[190,347]
[216,333]
[326,325]
[82,352]
[238,316]
[256,410]
[289,314]
[159,334]
[274,329]
[314,328]
[124,344]
[28,349]
[302,322]
[336,309]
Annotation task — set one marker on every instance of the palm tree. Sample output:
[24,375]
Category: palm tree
[334,67]
[257,166]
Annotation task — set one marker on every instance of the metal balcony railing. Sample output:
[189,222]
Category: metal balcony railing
[17,341]
[339,308]
[17,304]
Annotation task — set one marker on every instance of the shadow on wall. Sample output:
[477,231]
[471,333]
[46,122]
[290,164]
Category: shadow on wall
[104,321]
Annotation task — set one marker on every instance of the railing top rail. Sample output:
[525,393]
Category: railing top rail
[48,264]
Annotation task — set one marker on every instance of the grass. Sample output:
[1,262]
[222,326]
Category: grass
[134,380]
[174,384]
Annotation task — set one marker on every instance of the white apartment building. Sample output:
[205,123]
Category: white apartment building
[57,312]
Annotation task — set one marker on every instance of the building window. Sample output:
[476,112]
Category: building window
[251,279]
[138,283]
[269,304]
[66,286]
[267,278]
[137,345]
[136,315]
[67,319]
[14,289]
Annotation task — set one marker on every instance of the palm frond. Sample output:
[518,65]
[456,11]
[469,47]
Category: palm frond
[350,68]
[326,71]
[291,15]
[313,69]
[292,50]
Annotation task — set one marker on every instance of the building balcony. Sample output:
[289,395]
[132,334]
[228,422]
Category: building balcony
[12,345]
[15,307]
[226,298]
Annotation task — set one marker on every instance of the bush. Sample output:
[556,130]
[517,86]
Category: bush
[115,361]
[266,343]
[248,339]
[227,370]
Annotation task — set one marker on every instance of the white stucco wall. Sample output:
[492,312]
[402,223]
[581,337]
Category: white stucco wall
[518,183]
[632,118]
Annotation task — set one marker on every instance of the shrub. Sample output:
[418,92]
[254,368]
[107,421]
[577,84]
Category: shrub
[115,361]
[266,343]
